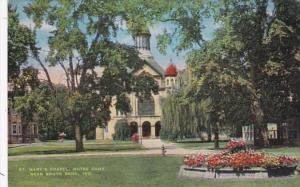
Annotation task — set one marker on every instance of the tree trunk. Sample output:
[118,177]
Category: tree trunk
[78,139]
[257,58]
[216,139]
[24,132]
[209,134]
[261,136]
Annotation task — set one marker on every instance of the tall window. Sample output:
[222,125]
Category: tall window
[14,129]
[146,107]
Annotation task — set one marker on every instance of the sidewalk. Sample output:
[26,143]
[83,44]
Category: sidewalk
[153,147]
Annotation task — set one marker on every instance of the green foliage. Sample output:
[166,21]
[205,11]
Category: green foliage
[163,41]
[175,112]
[144,86]
[188,17]
[20,41]
[248,70]
[48,109]
[122,131]
[140,14]
[28,77]
[54,119]
[29,105]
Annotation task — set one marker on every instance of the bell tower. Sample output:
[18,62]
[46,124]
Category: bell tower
[142,40]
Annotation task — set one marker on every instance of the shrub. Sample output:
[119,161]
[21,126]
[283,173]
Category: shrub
[122,131]
[135,138]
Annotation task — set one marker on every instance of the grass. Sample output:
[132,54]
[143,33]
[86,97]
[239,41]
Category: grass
[210,145]
[201,145]
[68,147]
[282,150]
[125,172]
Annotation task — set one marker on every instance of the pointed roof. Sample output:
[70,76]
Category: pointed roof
[148,58]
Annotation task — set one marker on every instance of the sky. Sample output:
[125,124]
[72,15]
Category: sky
[122,37]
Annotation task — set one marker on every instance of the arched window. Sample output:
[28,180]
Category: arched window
[146,107]
[167,82]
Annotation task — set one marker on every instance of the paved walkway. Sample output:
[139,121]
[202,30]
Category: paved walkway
[153,147]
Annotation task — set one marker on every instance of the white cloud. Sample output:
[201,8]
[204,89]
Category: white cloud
[30,24]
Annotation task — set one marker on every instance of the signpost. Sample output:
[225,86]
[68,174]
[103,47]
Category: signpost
[248,134]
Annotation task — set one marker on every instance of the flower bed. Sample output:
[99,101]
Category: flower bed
[236,145]
[242,161]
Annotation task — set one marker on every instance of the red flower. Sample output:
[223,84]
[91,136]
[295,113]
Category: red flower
[194,160]
[239,160]
[233,144]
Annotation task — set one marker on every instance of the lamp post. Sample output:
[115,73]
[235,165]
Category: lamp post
[141,130]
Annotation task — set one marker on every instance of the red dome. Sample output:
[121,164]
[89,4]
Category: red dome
[171,71]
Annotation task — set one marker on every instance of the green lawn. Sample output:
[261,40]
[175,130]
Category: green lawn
[200,145]
[124,171]
[210,145]
[282,150]
[67,147]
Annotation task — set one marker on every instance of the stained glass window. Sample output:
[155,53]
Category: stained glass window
[146,107]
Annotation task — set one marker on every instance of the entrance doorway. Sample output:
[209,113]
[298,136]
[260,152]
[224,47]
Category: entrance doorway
[146,129]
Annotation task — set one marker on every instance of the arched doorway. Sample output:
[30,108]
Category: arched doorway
[133,128]
[146,129]
[157,128]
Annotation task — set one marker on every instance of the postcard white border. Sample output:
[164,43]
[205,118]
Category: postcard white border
[3,94]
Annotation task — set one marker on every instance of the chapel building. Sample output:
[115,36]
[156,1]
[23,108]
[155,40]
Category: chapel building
[145,115]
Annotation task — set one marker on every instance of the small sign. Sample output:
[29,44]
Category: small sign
[248,134]
[272,130]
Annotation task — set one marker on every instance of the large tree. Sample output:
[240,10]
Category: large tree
[269,44]
[254,53]
[81,43]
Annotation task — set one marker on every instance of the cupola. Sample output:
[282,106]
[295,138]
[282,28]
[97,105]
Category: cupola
[171,71]
[142,40]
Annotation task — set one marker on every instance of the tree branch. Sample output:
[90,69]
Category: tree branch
[45,71]
[87,58]
[66,72]
[72,73]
